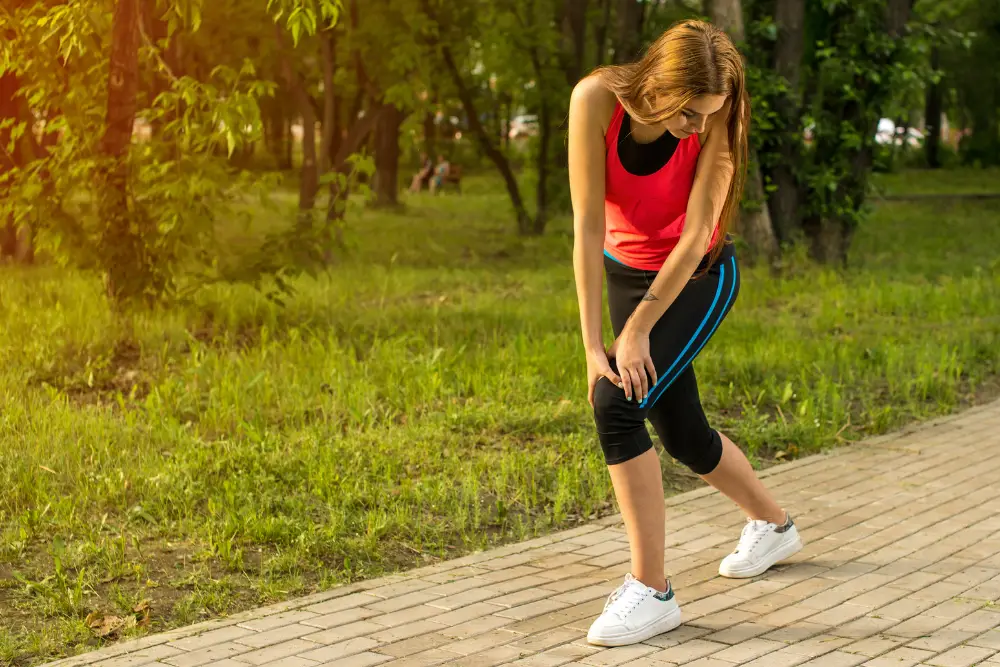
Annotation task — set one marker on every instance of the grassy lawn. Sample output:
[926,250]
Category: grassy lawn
[425,399]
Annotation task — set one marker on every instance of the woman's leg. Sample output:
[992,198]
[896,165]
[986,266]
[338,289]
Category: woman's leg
[638,486]
[735,478]
[683,428]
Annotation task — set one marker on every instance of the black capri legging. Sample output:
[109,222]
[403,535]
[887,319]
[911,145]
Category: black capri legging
[673,405]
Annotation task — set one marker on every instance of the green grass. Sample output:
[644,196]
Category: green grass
[424,399]
[942,181]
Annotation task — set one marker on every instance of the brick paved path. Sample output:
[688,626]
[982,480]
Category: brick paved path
[901,568]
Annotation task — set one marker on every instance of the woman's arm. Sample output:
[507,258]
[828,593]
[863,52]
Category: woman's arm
[586,181]
[708,195]
[590,108]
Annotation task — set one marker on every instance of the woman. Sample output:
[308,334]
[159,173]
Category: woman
[657,153]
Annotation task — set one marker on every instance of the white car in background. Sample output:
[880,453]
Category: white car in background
[888,132]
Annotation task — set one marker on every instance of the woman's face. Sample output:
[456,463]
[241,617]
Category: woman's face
[694,116]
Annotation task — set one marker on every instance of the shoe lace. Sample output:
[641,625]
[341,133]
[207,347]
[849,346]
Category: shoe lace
[753,532]
[626,598]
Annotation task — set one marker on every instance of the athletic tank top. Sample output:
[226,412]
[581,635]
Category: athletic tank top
[645,203]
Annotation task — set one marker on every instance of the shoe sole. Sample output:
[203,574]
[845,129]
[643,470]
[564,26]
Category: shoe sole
[781,553]
[665,624]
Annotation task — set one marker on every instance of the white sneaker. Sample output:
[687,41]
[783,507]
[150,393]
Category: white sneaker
[762,544]
[634,613]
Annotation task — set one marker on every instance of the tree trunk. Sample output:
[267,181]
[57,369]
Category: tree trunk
[430,130]
[728,15]
[932,114]
[601,33]
[754,224]
[788,51]
[629,31]
[288,147]
[126,263]
[387,156]
[309,180]
[574,29]
[482,136]
[328,46]
[542,195]
[309,184]
[357,134]
[9,111]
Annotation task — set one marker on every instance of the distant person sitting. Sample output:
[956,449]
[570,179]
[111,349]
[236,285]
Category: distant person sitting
[422,177]
[441,172]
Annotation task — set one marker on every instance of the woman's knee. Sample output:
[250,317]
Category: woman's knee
[621,424]
[699,448]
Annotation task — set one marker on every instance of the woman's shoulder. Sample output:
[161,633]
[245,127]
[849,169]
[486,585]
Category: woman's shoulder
[592,96]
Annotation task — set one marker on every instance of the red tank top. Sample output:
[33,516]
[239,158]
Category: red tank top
[644,215]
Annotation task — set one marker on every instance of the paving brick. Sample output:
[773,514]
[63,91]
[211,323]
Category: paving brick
[204,639]
[780,658]
[474,627]
[531,609]
[689,651]
[874,646]
[961,656]
[292,661]
[402,601]
[339,618]
[482,642]
[546,639]
[340,650]
[941,640]
[143,656]
[279,620]
[618,656]
[900,657]
[818,645]
[366,659]
[207,655]
[415,644]
[341,603]
[797,632]
[989,639]
[404,616]
[976,622]
[748,650]
[523,597]
[866,626]
[739,633]
[709,662]
[266,656]
[835,659]
[488,658]
[463,599]
[433,656]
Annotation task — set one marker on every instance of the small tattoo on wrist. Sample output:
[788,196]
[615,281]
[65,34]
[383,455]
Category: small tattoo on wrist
[650,297]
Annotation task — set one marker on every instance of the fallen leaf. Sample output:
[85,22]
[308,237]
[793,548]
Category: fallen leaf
[105,626]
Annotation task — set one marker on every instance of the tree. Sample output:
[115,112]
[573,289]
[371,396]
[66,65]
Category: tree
[122,237]
[628,33]
[933,110]
[785,199]
[860,58]
[755,222]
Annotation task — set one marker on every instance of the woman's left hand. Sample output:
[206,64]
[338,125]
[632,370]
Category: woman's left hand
[631,352]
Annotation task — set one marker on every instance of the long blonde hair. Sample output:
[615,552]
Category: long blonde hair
[691,59]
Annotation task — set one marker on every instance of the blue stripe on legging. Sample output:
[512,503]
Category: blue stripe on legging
[660,381]
[613,258]
[722,315]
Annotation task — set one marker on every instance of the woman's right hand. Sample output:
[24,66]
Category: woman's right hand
[598,366]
